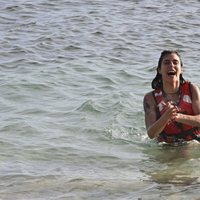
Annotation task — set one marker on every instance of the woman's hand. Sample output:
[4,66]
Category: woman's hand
[171,112]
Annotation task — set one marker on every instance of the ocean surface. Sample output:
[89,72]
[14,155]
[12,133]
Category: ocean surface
[73,74]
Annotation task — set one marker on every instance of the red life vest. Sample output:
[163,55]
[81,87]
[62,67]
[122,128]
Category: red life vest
[174,131]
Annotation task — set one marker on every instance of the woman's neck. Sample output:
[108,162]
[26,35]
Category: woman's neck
[172,88]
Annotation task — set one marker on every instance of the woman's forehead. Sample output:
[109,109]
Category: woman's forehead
[171,56]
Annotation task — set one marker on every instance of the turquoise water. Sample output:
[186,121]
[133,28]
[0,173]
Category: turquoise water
[72,79]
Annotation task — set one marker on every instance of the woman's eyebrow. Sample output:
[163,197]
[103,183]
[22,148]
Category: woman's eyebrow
[170,60]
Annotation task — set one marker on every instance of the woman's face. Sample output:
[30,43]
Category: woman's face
[171,67]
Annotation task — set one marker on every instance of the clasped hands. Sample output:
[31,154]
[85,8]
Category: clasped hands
[171,111]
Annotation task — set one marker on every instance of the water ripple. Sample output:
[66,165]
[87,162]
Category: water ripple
[72,78]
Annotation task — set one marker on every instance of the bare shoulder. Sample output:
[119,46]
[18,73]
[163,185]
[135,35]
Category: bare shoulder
[195,91]
[194,87]
[195,99]
[148,97]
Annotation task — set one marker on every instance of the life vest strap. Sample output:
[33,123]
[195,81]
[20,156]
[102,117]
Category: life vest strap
[183,136]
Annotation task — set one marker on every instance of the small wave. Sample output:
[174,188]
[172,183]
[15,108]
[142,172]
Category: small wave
[5,20]
[127,135]
[105,80]
[98,33]
[12,64]
[12,8]
[125,74]
[89,106]
[116,60]
[72,48]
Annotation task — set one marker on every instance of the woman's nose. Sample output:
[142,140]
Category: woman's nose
[171,64]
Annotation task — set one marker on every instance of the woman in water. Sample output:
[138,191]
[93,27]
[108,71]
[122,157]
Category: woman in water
[172,109]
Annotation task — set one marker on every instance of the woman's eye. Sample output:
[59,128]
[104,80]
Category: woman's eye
[175,62]
[167,62]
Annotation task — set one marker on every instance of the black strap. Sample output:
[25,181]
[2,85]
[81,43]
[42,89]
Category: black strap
[182,135]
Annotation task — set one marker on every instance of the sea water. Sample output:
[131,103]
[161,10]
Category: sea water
[73,74]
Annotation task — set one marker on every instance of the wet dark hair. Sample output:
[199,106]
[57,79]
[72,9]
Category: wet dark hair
[157,81]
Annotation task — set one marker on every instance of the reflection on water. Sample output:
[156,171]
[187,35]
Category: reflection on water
[174,165]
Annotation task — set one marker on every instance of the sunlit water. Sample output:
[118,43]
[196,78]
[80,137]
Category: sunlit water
[72,79]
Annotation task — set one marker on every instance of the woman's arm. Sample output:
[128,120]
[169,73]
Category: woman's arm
[155,126]
[192,120]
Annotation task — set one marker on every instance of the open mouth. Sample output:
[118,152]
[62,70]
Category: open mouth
[171,73]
